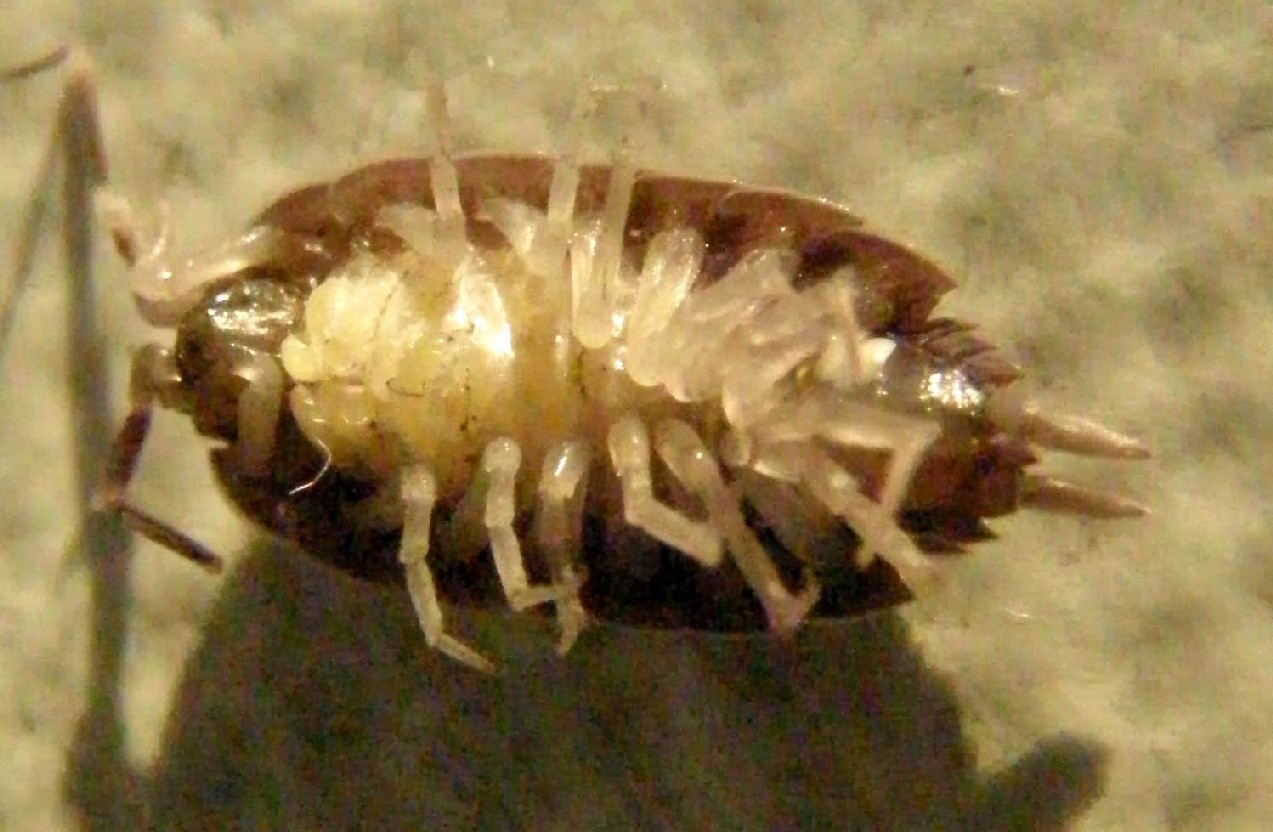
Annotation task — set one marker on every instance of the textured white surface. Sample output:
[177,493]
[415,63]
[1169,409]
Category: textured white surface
[1099,180]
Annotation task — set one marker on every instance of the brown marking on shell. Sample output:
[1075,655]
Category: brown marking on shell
[904,287]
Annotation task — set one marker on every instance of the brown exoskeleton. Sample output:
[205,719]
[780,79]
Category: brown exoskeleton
[382,356]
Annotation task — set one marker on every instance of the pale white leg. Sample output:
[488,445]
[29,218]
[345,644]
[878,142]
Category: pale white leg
[559,531]
[912,437]
[259,406]
[499,467]
[443,177]
[838,490]
[548,246]
[165,287]
[852,424]
[630,454]
[842,363]
[692,463]
[419,496]
[905,436]
[542,239]
[673,261]
[596,254]
[441,232]
[597,259]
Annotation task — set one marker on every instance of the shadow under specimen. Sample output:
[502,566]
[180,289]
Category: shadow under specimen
[313,702]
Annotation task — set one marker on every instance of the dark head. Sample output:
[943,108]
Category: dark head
[238,322]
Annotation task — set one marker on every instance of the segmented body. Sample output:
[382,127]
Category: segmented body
[638,397]
[644,398]
[367,390]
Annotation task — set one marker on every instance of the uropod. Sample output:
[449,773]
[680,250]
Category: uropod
[605,392]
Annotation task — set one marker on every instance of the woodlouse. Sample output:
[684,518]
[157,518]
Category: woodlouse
[384,354]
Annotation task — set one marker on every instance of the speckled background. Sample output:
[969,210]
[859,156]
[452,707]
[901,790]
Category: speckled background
[1098,176]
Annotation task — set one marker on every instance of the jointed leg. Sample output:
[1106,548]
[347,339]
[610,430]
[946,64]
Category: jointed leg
[630,454]
[852,424]
[442,175]
[559,531]
[839,491]
[150,366]
[596,261]
[542,239]
[912,435]
[155,377]
[693,465]
[164,288]
[499,469]
[419,495]
[491,503]
[259,406]
[804,527]
[552,237]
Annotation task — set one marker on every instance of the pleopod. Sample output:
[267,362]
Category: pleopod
[618,394]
